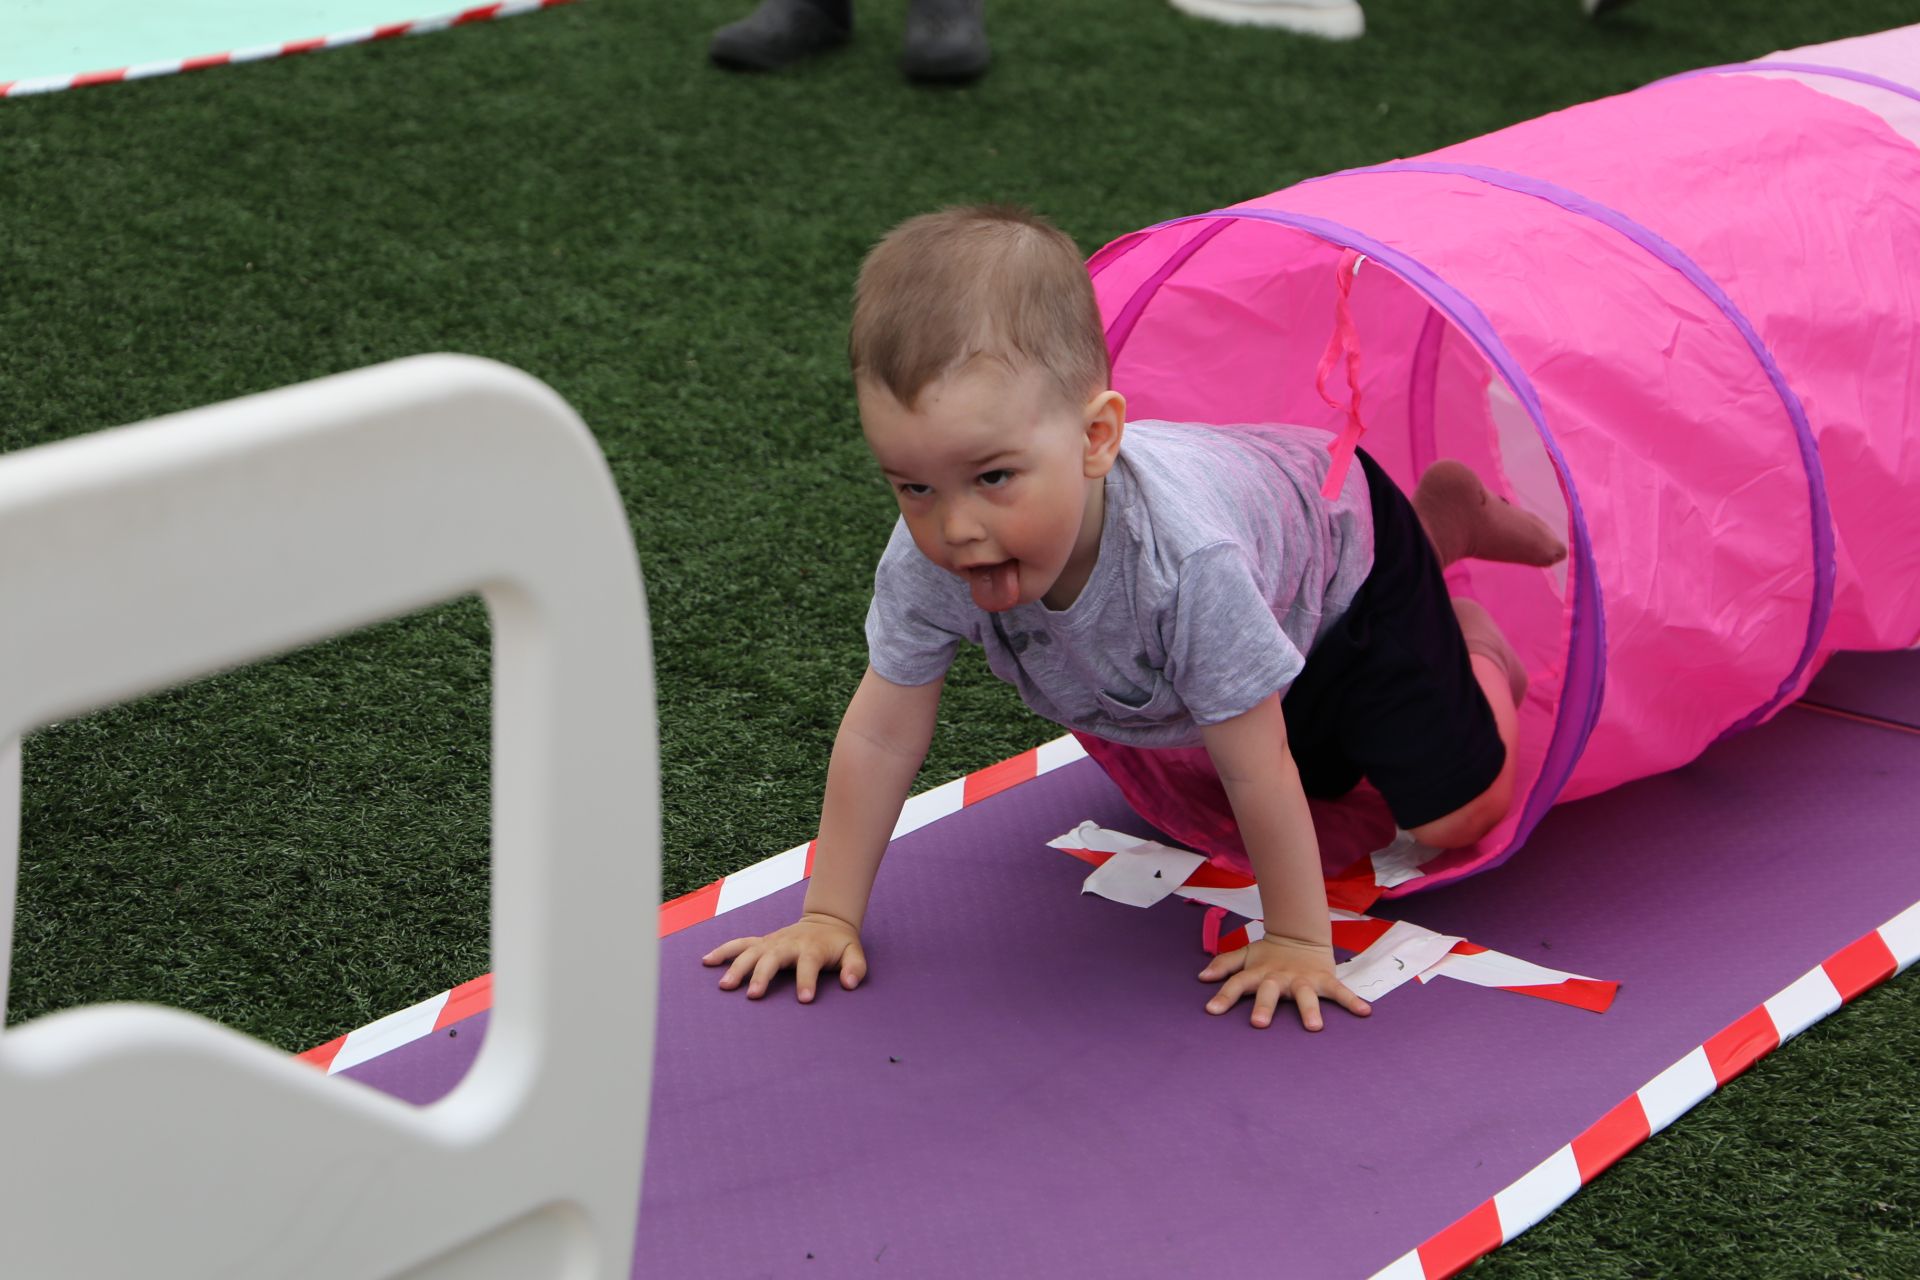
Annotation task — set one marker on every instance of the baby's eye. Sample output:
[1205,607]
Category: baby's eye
[914,490]
[994,479]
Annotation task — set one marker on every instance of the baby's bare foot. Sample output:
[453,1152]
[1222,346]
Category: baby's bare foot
[1465,520]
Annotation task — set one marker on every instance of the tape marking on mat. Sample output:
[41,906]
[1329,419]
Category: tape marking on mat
[749,884]
[1482,1229]
[1221,888]
[1655,1105]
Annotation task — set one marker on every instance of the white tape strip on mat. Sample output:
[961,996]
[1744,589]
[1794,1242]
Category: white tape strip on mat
[749,884]
[1851,970]
[1139,873]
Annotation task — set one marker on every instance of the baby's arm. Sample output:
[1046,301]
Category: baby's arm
[882,740]
[1295,958]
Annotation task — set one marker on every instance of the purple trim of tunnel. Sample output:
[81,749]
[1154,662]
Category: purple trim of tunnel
[1820,509]
[1122,327]
[1114,250]
[1585,683]
[1799,68]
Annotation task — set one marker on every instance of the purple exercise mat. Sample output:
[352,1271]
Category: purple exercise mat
[1879,684]
[1027,1085]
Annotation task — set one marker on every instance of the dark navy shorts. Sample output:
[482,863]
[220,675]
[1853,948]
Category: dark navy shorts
[1388,693]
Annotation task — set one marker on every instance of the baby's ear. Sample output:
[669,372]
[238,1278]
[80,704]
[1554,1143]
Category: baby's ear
[1106,421]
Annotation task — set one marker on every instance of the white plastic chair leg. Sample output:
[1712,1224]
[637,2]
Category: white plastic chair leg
[136,1140]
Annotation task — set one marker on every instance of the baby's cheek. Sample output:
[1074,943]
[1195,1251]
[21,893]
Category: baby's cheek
[925,539]
[1031,535]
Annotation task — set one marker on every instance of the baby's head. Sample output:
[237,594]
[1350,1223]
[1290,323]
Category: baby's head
[946,291]
[982,375]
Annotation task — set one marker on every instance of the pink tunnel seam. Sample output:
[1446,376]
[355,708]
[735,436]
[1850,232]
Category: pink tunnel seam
[1422,381]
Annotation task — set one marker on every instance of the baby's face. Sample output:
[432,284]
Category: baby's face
[990,472]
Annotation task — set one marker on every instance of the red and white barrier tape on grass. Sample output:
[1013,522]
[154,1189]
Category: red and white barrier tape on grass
[750,884]
[260,53]
[1853,969]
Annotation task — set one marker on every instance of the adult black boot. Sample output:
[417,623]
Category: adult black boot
[946,41]
[780,32]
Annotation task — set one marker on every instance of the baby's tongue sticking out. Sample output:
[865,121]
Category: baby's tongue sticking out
[996,587]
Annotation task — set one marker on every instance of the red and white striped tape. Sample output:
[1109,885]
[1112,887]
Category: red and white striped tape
[1466,962]
[1853,969]
[1349,894]
[750,884]
[1888,950]
[404,1027]
[260,53]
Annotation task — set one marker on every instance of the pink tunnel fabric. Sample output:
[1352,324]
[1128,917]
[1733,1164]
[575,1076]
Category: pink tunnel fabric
[1684,322]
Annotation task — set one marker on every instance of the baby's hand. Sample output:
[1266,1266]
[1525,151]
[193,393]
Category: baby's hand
[1272,968]
[814,942]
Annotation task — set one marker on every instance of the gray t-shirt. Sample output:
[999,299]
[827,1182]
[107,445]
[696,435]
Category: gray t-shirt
[1220,566]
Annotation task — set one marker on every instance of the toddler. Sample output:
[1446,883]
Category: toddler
[1152,584]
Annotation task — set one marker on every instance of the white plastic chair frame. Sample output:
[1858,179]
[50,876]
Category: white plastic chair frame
[138,1140]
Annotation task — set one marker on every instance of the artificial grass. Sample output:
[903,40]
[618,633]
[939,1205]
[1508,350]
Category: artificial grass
[298,848]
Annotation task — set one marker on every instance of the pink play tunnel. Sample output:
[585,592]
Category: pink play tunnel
[1683,322]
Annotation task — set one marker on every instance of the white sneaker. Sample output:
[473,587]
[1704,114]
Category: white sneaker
[1328,19]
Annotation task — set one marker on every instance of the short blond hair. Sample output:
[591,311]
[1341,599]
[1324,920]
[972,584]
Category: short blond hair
[946,288]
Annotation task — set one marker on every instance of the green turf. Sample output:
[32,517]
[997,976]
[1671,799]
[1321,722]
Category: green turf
[299,848]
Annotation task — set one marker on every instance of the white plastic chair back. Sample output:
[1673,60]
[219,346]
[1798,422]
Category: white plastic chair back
[142,1141]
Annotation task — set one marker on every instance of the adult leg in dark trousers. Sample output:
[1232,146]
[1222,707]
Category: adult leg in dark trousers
[946,40]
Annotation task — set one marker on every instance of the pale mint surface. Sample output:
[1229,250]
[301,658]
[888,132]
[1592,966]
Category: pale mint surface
[66,37]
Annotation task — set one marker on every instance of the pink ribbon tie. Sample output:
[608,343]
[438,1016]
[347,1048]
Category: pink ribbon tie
[1343,341]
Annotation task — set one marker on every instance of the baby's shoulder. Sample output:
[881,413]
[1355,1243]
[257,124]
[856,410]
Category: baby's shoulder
[1191,484]
[1243,461]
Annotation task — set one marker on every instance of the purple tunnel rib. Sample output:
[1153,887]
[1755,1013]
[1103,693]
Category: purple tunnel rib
[1585,683]
[1114,250]
[1799,68]
[1824,568]
[1122,327]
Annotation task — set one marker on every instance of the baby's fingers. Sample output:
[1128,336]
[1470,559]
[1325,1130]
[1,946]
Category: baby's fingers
[853,966]
[742,964]
[1229,993]
[1223,964]
[1309,1001]
[727,951]
[852,963]
[806,975]
[1337,991]
[1266,998]
[771,963]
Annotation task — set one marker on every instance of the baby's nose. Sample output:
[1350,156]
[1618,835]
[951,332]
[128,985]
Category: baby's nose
[959,525]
